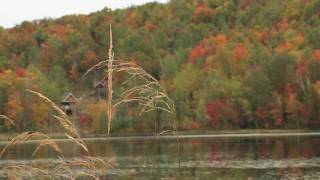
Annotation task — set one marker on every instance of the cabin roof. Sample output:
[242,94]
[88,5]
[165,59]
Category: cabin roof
[69,98]
[102,83]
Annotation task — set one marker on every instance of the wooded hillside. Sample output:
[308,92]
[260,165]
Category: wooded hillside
[227,64]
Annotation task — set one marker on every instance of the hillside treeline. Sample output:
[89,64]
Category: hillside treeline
[227,64]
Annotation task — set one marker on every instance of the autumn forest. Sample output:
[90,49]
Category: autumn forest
[239,64]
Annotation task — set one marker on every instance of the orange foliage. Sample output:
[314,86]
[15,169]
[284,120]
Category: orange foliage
[291,103]
[40,114]
[74,72]
[221,40]
[283,47]
[299,39]
[265,36]
[240,52]
[91,55]
[203,10]
[13,108]
[316,54]
[61,30]
[132,18]
[316,86]
[195,125]
[150,26]
[245,3]
[90,59]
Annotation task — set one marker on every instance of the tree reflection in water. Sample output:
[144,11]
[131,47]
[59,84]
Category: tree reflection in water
[199,158]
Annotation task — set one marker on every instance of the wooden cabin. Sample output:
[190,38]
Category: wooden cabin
[100,88]
[68,104]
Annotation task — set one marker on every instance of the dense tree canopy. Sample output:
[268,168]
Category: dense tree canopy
[226,64]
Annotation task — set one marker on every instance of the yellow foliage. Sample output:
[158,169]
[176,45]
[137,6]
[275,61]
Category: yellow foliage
[40,114]
[316,86]
[95,110]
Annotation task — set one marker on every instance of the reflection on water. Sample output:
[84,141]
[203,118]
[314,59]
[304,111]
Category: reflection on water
[197,158]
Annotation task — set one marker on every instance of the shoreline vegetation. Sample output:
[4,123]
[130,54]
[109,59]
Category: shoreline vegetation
[5,137]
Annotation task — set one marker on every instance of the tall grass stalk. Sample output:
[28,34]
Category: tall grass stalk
[7,119]
[109,87]
[149,93]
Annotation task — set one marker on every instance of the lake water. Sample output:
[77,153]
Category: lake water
[285,157]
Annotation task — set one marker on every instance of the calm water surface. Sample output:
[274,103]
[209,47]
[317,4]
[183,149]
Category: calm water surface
[294,157]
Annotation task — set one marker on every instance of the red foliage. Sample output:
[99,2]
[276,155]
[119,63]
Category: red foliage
[197,52]
[290,89]
[277,114]
[85,120]
[302,69]
[214,110]
[279,120]
[262,114]
[304,111]
[21,72]
[205,47]
[240,52]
